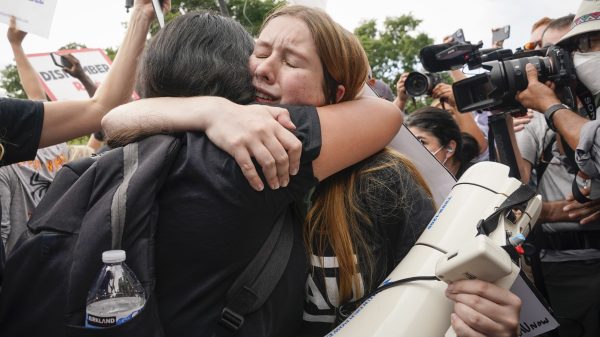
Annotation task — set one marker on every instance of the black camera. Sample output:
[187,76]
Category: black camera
[418,84]
[497,88]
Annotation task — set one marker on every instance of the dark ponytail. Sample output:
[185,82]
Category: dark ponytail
[442,126]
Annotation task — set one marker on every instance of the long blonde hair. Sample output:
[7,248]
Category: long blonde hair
[336,215]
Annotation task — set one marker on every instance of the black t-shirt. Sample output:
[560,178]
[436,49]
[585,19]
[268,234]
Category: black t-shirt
[211,225]
[21,124]
[399,209]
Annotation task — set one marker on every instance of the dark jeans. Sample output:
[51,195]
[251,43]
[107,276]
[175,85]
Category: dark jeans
[574,291]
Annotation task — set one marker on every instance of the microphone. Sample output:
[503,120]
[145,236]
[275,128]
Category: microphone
[445,56]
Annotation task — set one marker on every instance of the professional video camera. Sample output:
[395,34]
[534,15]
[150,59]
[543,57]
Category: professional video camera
[496,89]
[419,84]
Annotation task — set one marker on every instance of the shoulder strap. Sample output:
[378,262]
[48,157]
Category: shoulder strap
[544,160]
[256,283]
[119,202]
[163,154]
[520,196]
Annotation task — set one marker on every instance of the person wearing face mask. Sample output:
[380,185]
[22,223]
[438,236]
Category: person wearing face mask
[573,284]
[440,134]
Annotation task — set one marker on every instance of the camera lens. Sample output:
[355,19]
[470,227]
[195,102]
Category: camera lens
[417,84]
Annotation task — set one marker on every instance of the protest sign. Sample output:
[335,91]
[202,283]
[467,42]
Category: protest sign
[33,16]
[440,181]
[59,85]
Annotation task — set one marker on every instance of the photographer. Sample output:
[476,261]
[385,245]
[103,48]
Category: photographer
[466,123]
[571,268]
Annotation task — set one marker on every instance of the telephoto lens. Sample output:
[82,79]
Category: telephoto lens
[419,84]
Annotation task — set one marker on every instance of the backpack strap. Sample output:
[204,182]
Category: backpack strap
[118,208]
[153,165]
[256,283]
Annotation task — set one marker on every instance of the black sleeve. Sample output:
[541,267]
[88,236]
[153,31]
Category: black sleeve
[21,124]
[308,131]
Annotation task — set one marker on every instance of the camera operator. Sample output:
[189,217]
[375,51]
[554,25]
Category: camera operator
[571,268]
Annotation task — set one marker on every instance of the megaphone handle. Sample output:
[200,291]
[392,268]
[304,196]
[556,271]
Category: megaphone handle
[450,332]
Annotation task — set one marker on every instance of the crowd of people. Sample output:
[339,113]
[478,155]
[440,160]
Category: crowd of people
[278,124]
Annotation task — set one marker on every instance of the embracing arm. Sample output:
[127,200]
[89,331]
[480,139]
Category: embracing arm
[351,131]
[69,119]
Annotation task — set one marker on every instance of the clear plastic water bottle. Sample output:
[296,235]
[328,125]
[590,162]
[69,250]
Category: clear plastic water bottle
[117,296]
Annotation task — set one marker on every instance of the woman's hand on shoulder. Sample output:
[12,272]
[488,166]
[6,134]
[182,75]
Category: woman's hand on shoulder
[483,309]
[262,132]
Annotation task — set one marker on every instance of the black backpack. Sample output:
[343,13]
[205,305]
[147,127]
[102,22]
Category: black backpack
[102,203]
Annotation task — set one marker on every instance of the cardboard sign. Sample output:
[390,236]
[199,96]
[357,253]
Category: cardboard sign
[33,16]
[436,175]
[59,85]
[534,319]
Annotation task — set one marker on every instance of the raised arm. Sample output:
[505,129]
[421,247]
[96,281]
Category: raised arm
[69,119]
[77,71]
[28,76]
[466,122]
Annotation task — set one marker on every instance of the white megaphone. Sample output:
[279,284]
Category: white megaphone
[449,241]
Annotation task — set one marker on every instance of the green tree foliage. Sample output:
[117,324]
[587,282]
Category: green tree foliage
[72,45]
[11,82]
[395,48]
[111,52]
[250,13]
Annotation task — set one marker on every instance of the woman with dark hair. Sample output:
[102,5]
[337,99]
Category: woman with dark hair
[438,132]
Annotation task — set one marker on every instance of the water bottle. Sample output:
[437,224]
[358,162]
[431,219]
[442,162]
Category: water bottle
[116,296]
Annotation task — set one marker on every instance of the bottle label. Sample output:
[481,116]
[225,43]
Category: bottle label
[111,312]
[100,322]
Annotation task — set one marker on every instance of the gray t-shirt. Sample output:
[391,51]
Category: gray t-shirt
[534,138]
[23,185]
[555,185]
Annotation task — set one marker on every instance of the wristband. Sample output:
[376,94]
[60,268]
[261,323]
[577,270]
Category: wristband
[549,113]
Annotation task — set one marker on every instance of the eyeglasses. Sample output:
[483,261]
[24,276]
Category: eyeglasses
[587,43]
[533,45]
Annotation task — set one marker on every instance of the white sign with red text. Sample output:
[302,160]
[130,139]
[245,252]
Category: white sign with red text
[59,85]
[33,16]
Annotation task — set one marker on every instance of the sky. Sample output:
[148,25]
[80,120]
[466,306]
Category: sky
[99,23]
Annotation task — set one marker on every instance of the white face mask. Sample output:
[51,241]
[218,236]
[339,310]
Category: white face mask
[587,66]
[436,152]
